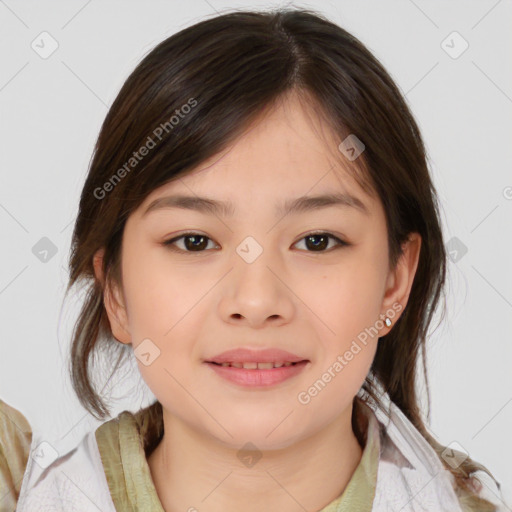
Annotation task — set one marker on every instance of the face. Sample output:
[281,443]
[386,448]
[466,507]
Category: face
[313,282]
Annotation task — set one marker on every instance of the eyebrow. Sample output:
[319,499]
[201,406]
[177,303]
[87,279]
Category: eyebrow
[226,209]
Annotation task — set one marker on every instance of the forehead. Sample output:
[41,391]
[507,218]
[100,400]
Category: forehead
[287,152]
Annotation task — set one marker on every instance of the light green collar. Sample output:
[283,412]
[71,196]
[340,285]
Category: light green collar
[360,491]
[121,447]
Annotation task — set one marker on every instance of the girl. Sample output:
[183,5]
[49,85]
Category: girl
[259,229]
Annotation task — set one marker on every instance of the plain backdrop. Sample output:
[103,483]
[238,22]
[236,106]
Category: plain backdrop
[452,60]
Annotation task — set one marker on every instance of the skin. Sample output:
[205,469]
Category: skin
[311,302]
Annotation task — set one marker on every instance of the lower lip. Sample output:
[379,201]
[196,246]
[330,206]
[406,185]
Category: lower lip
[258,378]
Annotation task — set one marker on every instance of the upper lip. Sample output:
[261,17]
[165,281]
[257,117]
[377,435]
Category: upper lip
[246,355]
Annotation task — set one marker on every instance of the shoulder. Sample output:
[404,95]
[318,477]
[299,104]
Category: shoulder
[402,488]
[487,488]
[71,482]
[15,439]
[411,475]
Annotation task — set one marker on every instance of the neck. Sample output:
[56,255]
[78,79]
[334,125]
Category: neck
[191,469]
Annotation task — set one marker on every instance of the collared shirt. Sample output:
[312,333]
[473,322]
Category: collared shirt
[108,469]
[123,447]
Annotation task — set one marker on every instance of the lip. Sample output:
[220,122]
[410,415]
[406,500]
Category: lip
[246,355]
[257,378]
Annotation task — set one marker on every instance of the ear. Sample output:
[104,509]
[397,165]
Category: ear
[400,279]
[114,304]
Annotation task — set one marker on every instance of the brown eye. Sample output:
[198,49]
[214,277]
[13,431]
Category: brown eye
[192,242]
[318,242]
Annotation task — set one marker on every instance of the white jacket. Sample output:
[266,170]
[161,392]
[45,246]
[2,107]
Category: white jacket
[410,476]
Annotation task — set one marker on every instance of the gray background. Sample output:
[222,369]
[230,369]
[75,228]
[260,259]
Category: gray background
[51,112]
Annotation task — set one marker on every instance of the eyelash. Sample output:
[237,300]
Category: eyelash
[169,243]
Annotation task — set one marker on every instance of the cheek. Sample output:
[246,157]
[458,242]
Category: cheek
[164,305]
[346,297]
[346,342]
[346,300]
[158,294]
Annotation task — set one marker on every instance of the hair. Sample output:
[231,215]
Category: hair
[203,86]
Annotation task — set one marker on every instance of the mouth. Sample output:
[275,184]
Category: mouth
[256,374]
[257,365]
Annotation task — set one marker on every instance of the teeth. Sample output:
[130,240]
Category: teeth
[259,366]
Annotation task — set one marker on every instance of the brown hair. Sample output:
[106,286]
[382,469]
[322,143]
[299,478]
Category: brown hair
[228,69]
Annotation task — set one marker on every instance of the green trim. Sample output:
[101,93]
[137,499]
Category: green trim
[132,488]
[359,493]
[126,468]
